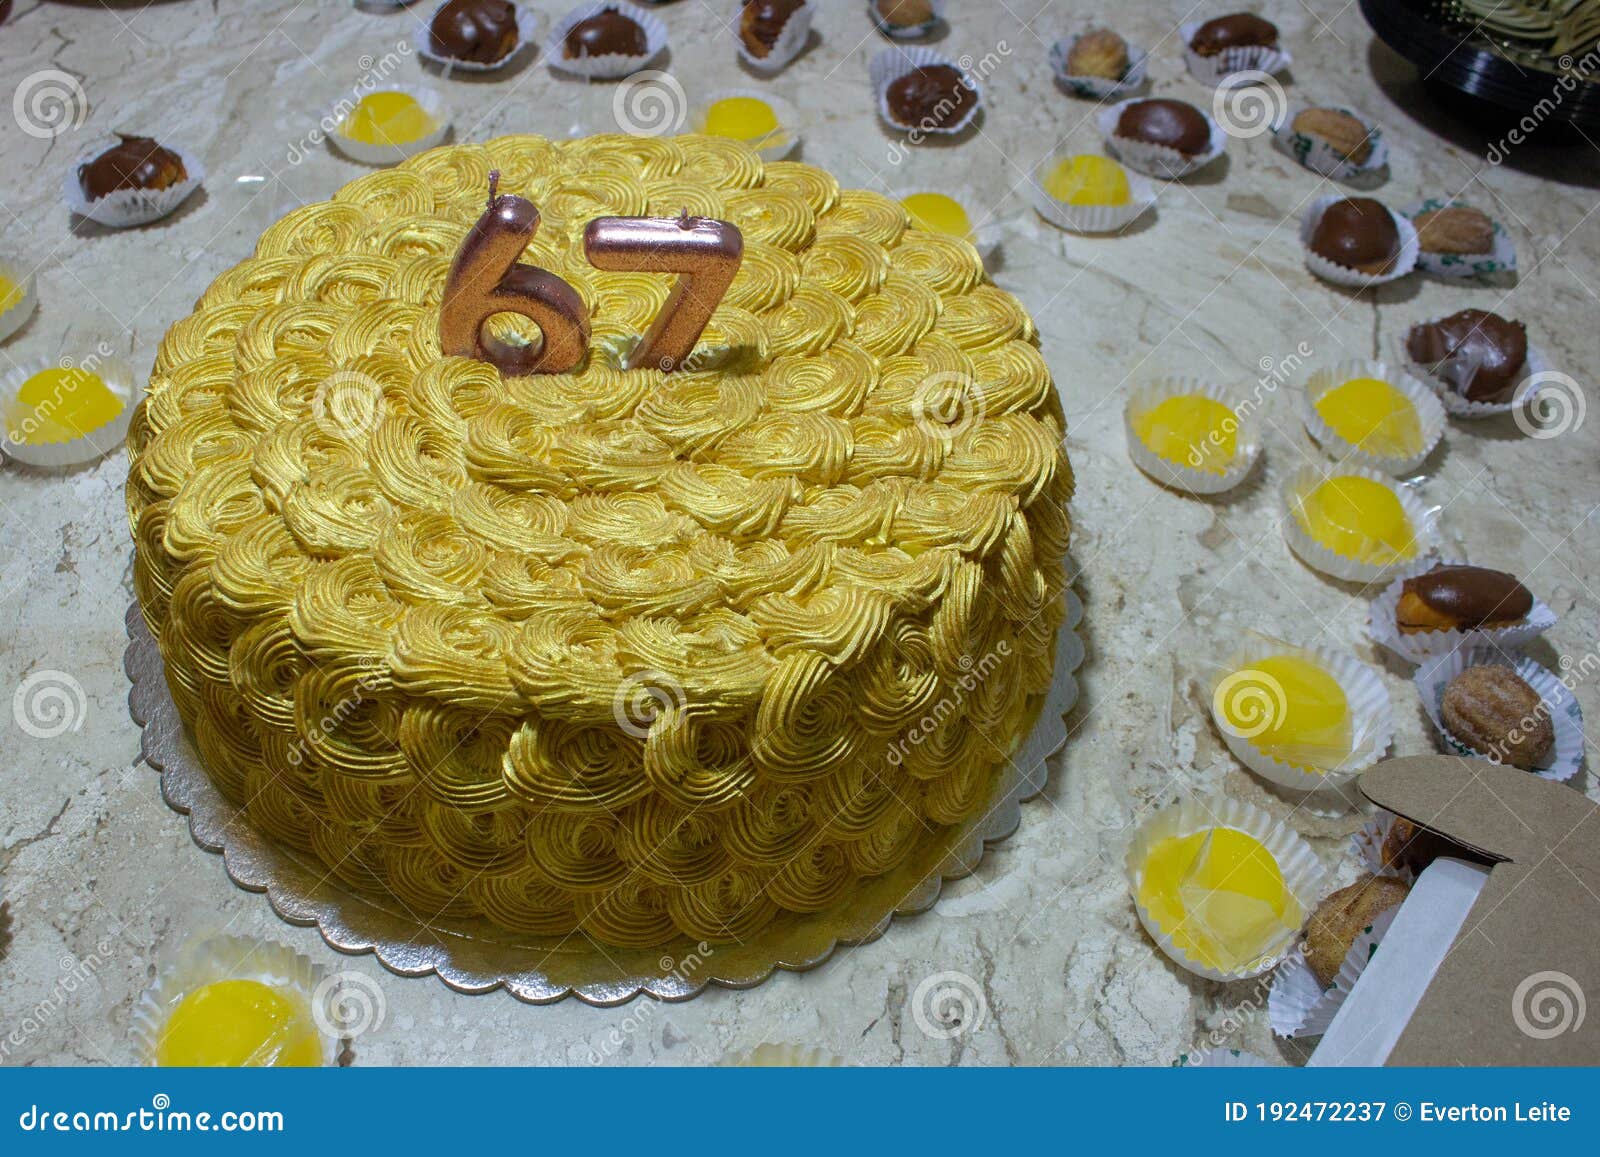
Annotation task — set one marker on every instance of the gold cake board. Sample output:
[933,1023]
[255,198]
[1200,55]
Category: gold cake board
[473,956]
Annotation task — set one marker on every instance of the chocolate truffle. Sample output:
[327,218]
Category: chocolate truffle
[606,33]
[1099,52]
[1479,355]
[1173,124]
[1495,712]
[132,163]
[1357,233]
[904,13]
[1455,229]
[1461,598]
[762,22]
[930,96]
[1240,30]
[475,31]
[1345,915]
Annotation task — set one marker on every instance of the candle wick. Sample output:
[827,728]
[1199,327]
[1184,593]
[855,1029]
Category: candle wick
[494,186]
[683,218]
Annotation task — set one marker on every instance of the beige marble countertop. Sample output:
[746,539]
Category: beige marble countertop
[100,877]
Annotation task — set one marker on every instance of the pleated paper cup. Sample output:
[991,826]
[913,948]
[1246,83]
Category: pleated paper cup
[1316,154]
[985,238]
[1367,844]
[1318,557]
[1566,719]
[368,153]
[1430,414]
[1089,218]
[1220,1059]
[908,31]
[1332,271]
[1157,160]
[15,317]
[1420,646]
[234,958]
[1259,700]
[1247,64]
[610,65]
[1302,872]
[1096,87]
[125,208]
[1536,368]
[1501,258]
[118,377]
[775,1056]
[791,40]
[528,24]
[1298,1005]
[773,147]
[891,64]
[1181,476]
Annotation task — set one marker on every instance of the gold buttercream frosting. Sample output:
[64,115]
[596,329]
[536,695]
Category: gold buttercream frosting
[612,651]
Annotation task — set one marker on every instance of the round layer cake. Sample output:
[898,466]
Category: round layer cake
[616,652]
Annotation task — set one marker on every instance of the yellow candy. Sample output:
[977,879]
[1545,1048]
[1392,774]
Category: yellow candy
[1373,416]
[1088,180]
[1289,707]
[58,405]
[938,214]
[744,118]
[1220,895]
[10,293]
[1358,519]
[1190,430]
[388,118]
[239,1023]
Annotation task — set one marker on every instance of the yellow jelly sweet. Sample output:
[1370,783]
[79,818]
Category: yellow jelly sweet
[1190,430]
[389,118]
[744,118]
[938,213]
[1220,895]
[1289,707]
[58,405]
[1359,519]
[236,1023]
[10,293]
[1373,416]
[1088,180]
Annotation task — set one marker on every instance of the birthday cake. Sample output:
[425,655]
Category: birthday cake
[615,651]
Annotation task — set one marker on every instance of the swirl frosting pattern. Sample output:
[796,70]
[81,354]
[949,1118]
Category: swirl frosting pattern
[606,651]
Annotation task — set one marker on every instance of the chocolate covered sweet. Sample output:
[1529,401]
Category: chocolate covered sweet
[930,96]
[1478,354]
[1357,233]
[1461,598]
[1172,124]
[1099,52]
[1457,229]
[606,33]
[761,22]
[1238,30]
[474,31]
[131,163]
[1496,713]
[1345,915]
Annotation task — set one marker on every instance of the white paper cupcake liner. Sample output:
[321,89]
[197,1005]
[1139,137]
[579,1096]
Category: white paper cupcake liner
[230,958]
[1367,844]
[1430,414]
[1302,871]
[14,318]
[1314,153]
[1353,278]
[891,64]
[985,238]
[118,377]
[1420,646]
[126,208]
[1097,87]
[774,147]
[528,25]
[791,39]
[1536,367]
[374,154]
[1229,63]
[612,65]
[1566,719]
[774,1056]
[1089,218]
[908,31]
[1298,1005]
[1500,259]
[1318,557]
[1157,160]
[1247,442]
[1220,1059]
[1371,713]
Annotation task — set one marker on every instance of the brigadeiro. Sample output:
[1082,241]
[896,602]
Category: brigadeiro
[606,32]
[1478,355]
[772,32]
[931,96]
[132,163]
[1238,30]
[606,41]
[1225,46]
[475,31]
[134,181]
[1162,137]
[1358,240]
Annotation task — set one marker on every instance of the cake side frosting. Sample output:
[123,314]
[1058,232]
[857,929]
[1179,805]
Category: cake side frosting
[615,651]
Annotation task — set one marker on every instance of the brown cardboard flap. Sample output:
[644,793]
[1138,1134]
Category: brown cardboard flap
[1527,960]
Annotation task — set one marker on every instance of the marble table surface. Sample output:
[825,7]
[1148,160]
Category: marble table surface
[101,879]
